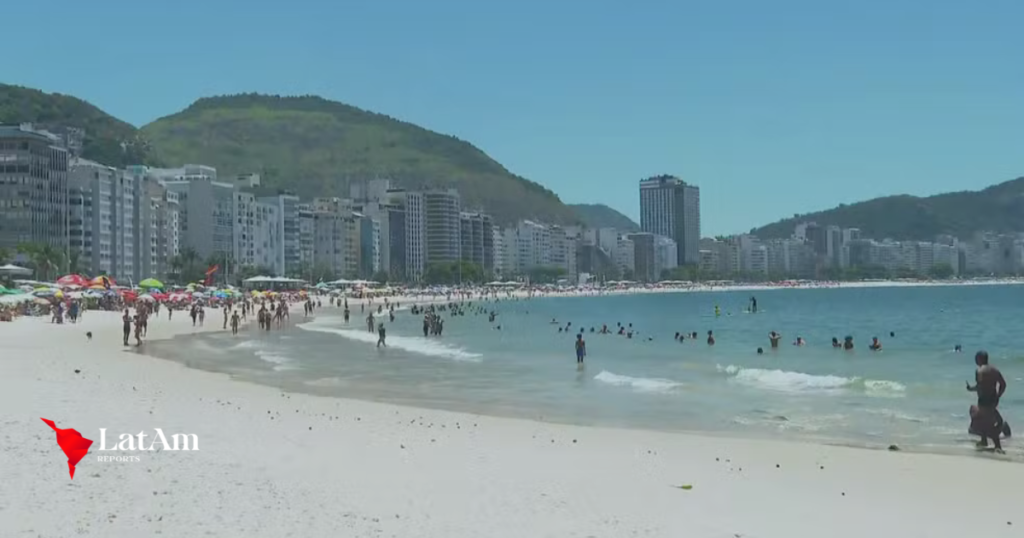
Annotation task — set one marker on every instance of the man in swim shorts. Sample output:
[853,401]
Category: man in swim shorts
[989,385]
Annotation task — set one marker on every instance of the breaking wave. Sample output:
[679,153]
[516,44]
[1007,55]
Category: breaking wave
[643,384]
[421,346]
[785,381]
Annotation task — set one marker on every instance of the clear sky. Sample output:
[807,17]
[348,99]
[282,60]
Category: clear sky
[772,106]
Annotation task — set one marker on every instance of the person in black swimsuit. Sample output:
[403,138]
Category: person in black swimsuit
[989,384]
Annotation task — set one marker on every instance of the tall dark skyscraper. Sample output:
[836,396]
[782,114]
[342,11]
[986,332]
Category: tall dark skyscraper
[671,207]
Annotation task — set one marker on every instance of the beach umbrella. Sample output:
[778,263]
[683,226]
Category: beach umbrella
[146,298]
[14,270]
[73,280]
[103,282]
[129,294]
[151,283]
[41,301]
[44,292]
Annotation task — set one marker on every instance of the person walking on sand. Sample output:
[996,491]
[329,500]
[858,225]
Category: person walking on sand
[202,315]
[126,320]
[989,385]
[234,323]
[227,312]
[138,330]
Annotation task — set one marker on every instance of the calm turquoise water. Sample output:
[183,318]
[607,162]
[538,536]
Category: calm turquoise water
[912,393]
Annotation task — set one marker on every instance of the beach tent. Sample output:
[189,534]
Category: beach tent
[16,298]
[151,283]
[73,280]
[11,269]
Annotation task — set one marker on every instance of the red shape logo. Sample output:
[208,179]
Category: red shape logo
[72,443]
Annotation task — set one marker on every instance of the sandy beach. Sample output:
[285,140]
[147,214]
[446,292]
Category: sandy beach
[275,464]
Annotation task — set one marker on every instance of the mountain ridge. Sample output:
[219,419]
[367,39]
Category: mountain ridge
[996,208]
[317,147]
[603,216]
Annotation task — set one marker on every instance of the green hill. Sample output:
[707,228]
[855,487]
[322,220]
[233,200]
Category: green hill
[107,139]
[315,147]
[602,216]
[999,208]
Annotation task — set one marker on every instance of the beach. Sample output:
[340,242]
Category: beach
[274,463]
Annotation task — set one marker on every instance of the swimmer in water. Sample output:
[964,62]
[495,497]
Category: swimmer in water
[875,344]
[711,338]
[799,341]
[760,351]
[835,342]
[773,339]
[848,343]
[718,311]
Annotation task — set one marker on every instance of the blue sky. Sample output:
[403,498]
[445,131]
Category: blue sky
[772,107]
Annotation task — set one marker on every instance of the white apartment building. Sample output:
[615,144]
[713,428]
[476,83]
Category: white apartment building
[336,237]
[95,198]
[256,232]
[289,230]
[206,215]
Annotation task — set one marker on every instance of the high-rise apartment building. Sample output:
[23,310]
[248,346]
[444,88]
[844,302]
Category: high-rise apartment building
[477,231]
[289,230]
[671,207]
[431,228]
[33,188]
[336,240]
[96,203]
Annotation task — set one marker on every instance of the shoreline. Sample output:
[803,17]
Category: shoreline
[502,412]
[327,463]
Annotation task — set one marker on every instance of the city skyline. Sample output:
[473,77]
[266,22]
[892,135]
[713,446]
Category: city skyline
[800,113]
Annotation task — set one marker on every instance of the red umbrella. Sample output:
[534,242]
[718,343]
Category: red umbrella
[129,295]
[73,280]
[158,296]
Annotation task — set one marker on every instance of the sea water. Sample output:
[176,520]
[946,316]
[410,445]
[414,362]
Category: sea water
[911,393]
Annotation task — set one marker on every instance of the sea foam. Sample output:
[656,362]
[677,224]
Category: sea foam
[422,346]
[786,381]
[643,384]
[280,362]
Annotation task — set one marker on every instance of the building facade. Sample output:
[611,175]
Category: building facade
[671,207]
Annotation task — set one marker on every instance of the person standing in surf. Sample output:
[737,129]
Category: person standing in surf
[753,305]
[989,385]
[581,348]
[382,335]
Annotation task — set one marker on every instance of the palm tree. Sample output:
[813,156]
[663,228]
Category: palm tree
[44,257]
[74,262]
[187,260]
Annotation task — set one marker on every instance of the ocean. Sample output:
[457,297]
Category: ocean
[910,394]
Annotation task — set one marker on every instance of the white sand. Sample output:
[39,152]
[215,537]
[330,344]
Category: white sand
[268,474]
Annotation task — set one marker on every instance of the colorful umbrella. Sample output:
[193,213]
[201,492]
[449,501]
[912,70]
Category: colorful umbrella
[151,283]
[73,280]
[99,281]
